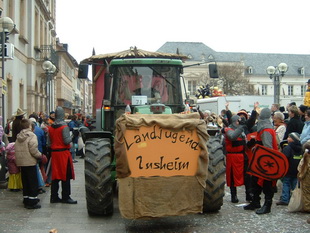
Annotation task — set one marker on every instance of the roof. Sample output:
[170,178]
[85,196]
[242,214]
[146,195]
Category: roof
[133,52]
[197,51]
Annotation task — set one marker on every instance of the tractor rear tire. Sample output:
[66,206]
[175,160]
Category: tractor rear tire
[215,184]
[98,180]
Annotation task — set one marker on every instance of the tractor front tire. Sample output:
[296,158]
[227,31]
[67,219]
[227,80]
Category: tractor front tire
[98,180]
[215,184]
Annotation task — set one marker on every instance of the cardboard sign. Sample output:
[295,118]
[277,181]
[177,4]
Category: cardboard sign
[154,151]
[268,164]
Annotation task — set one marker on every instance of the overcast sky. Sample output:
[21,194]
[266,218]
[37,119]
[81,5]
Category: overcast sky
[258,26]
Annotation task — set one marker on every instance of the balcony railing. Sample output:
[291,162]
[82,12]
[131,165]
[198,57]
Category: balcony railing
[47,52]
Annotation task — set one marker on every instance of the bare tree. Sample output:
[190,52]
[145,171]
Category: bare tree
[233,80]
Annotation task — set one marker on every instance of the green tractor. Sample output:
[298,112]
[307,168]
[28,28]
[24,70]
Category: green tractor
[136,85]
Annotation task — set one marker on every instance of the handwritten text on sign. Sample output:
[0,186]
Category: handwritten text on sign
[154,151]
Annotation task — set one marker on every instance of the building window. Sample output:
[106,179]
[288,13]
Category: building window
[78,84]
[192,86]
[250,70]
[37,29]
[23,18]
[303,89]
[264,89]
[290,90]
[301,70]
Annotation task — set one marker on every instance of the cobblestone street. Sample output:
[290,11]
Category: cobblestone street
[74,218]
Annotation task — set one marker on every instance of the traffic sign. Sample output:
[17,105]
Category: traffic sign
[8,51]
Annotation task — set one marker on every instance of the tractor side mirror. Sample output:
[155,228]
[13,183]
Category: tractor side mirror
[83,71]
[107,85]
[213,71]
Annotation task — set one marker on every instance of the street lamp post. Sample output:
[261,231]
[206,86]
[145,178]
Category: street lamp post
[275,72]
[49,69]
[6,27]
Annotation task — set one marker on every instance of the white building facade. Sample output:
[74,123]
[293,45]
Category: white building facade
[24,83]
[292,84]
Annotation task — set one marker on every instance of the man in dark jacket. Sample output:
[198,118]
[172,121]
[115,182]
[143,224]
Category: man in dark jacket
[295,124]
[293,152]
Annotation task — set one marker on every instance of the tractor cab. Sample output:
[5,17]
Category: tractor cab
[146,85]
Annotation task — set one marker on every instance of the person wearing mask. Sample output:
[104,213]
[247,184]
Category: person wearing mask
[235,143]
[294,124]
[62,166]
[266,136]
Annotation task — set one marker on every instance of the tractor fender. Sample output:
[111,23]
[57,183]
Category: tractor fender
[87,135]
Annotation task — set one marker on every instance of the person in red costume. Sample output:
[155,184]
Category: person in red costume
[235,146]
[62,166]
[266,136]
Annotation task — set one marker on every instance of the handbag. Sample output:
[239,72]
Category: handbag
[296,203]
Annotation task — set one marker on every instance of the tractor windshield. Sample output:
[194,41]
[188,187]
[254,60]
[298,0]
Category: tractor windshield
[140,85]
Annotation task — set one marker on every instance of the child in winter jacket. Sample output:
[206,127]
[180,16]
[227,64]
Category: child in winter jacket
[293,152]
[15,180]
[27,156]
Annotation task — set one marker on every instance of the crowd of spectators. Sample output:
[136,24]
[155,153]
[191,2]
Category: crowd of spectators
[29,143]
[283,129]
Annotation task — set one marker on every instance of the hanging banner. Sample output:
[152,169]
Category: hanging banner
[4,85]
[268,164]
[154,151]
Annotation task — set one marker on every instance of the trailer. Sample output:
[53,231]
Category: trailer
[217,104]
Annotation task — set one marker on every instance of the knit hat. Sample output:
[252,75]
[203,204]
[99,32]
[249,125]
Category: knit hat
[303,108]
[295,136]
[265,114]
[235,118]
[32,119]
[282,109]
[243,113]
